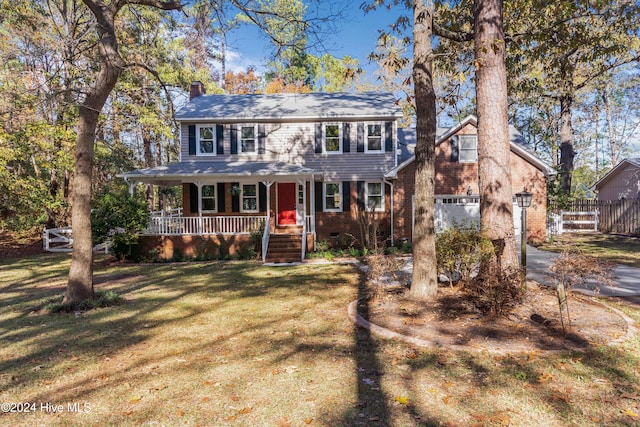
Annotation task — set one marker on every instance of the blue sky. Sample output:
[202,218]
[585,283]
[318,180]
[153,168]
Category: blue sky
[356,35]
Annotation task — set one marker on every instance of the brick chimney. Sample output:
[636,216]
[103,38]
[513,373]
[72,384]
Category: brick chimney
[197,89]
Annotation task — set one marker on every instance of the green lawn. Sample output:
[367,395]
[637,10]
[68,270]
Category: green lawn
[619,249]
[240,344]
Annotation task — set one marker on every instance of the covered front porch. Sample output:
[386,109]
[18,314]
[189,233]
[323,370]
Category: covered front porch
[273,202]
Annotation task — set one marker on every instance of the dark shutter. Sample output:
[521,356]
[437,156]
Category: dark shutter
[193,198]
[235,198]
[261,139]
[318,141]
[388,136]
[219,139]
[455,151]
[262,197]
[360,137]
[361,204]
[192,140]
[220,197]
[346,138]
[318,196]
[346,196]
[233,136]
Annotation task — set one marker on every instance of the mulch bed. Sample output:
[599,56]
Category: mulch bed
[12,247]
[453,321]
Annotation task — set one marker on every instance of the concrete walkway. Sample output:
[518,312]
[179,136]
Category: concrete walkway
[627,279]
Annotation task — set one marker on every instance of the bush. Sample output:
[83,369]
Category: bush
[118,216]
[461,249]
[496,292]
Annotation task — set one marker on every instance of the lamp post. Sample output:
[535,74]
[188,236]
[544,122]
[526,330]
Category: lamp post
[524,201]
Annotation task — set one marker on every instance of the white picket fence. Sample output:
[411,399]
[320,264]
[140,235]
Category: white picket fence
[203,225]
[573,222]
[61,240]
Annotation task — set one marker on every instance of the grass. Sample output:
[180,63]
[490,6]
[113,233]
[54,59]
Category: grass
[237,344]
[620,249]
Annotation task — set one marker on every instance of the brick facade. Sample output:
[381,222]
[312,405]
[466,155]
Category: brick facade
[455,178]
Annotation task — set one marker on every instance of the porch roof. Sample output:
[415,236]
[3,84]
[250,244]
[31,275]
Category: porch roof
[177,173]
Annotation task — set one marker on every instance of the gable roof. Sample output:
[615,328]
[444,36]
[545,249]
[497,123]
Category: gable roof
[291,106]
[407,142]
[620,166]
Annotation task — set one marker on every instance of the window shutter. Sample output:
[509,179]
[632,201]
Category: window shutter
[360,137]
[262,197]
[234,139]
[219,139]
[346,138]
[261,139]
[318,196]
[318,142]
[193,198]
[388,136]
[220,197]
[455,151]
[346,196]
[361,204]
[192,140]
[235,198]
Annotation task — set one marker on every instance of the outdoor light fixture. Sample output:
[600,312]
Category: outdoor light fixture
[524,201]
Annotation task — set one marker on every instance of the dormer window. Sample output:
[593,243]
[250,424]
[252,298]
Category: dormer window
[206,140]
[374,137]
[332,138]
[248,143]
[468,148]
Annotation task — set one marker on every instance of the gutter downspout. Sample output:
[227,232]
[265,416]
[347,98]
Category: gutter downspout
[391,205]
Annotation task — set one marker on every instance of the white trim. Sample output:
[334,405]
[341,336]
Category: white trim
[324,137]
[257,197]
[215,198]
[214,141]
[255,139]
[469,138]
[366,137]
[381,195]
[324,197]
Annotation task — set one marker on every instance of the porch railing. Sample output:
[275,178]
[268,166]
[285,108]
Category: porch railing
[203,225]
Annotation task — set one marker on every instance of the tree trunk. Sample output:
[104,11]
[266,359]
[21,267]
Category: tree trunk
[566,142]
[80,283]
[425,277]
[494,162]
[613,144]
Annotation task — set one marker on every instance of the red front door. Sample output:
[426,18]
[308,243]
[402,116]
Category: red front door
[286,203]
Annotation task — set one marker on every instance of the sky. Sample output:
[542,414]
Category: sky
[356,35]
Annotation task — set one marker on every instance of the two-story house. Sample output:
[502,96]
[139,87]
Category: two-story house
[299,168]
[292,165]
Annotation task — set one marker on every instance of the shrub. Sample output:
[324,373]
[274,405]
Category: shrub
[461,249]
[118,216]
[102,298]
[496,292]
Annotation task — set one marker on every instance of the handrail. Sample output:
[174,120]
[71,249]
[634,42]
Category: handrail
[204,225]
[304,239]
[265,238]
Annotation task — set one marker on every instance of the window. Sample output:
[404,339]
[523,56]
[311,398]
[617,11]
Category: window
[249,198]
[248,139]
[468,148]
[374,196]
[208,198]
[332,135]
[374,137]
[331,197]
[206,140]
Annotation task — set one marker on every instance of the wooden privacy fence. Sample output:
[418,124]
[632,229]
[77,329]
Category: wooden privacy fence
[614,216]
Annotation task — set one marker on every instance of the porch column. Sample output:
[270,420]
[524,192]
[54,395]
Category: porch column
[199,185]
[268,184]
[312,191]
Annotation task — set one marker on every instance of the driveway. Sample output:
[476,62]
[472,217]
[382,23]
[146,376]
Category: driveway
[627,279]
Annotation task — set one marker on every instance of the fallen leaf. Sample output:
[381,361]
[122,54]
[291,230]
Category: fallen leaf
[308,420]
[630,413]
[180,413]
[135,399]
[402,400]
[231,418]
[244,410]
[546,377]
[446,399]
[205,399]
[235,398]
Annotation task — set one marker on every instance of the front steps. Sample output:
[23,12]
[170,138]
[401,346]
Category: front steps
[285,246]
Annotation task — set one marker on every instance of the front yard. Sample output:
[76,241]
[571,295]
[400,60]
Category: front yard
[616,248]
[238,343]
